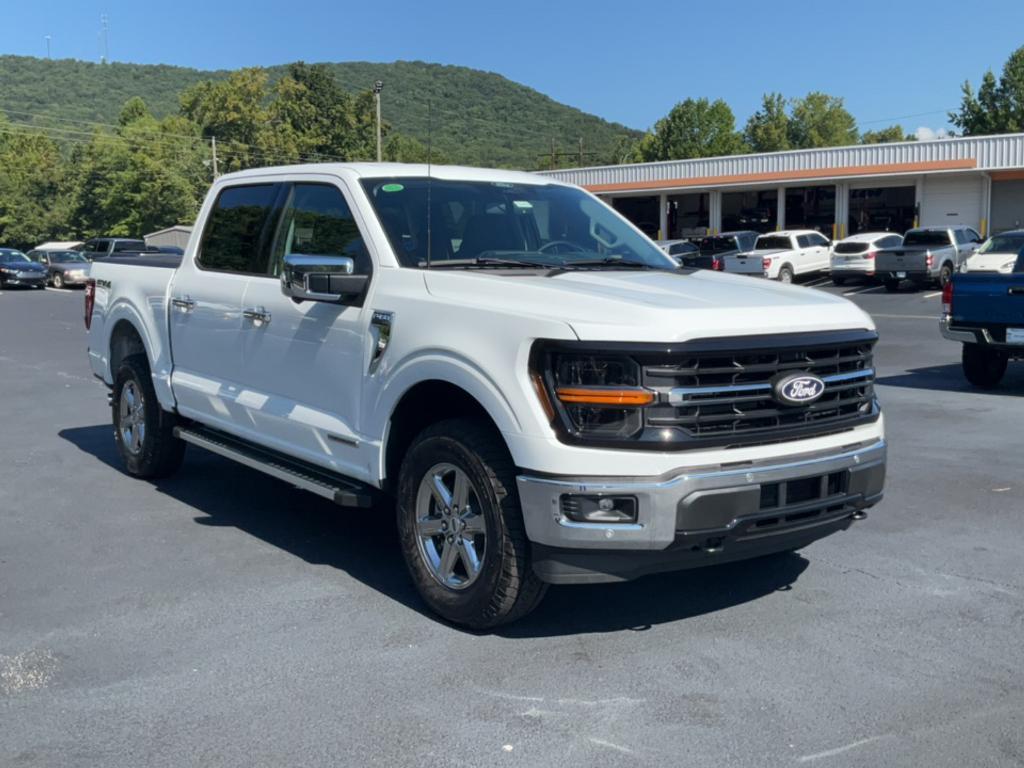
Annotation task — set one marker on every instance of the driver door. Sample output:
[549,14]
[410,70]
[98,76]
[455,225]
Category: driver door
[304,361]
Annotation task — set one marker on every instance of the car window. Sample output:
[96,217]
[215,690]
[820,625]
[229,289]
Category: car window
[972,236]
[818,239]
[927,237]
[123,246]
[803,241]
[238,230]
[317,221]
[893,241]
[773,243]
[960,235]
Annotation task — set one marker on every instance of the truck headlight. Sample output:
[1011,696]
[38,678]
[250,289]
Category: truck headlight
[593,395]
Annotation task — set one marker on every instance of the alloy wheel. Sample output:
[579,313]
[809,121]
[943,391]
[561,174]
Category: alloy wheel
[451,530]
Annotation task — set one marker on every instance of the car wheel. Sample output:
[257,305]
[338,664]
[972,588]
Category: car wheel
[838,280]
[785,274]
[892,286]
[984,367]
[58,280]
[461,526]
[945,275]
[143,431]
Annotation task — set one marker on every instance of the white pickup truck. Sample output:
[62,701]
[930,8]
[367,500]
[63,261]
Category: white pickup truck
[543,393]
[783,255]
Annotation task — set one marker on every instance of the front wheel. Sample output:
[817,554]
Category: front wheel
[461,526]
[143,431]
[58,280]
[983,366]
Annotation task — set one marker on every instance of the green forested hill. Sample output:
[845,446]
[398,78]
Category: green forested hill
[479,118]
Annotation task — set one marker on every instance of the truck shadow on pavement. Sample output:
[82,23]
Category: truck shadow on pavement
[950,378]
[365,546]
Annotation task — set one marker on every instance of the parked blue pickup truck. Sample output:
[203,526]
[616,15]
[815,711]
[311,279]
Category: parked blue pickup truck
[985,311]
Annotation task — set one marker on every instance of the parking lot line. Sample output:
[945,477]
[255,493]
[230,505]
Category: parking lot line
[59,290]
[933,294]
[867,289]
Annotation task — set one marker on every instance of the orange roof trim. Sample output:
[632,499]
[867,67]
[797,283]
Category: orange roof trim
[815,173]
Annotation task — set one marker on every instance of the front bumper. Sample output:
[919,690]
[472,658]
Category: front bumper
[79,278]
[701,516]
[28,281]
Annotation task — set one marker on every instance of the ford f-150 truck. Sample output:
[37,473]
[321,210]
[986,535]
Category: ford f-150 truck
[547,396]
[783,255]
[927,255]
[985,311]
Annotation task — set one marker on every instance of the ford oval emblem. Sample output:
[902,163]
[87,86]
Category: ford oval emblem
[799,389]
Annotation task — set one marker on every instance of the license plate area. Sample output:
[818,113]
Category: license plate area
[901,275]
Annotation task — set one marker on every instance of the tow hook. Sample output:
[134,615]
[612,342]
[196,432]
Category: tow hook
[713,546]
[860,514]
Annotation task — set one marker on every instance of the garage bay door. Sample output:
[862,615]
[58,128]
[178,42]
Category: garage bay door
[1007,205]
[949,200]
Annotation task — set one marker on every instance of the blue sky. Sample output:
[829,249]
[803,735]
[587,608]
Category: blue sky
[626,61]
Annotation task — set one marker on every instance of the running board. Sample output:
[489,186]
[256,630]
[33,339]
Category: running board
[308,477]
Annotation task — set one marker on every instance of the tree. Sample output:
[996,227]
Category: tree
[32,186]
[998,106]
[885,135]
[820,120]
[767,130]
[694,128]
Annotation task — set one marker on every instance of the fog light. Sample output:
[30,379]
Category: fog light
[599,509]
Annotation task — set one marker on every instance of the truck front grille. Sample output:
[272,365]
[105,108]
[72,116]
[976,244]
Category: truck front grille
[722,391]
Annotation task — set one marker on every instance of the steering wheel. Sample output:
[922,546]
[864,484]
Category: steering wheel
[573,247]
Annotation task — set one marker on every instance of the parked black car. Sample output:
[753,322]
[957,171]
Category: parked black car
[18,269]
[713,249]
[64,268]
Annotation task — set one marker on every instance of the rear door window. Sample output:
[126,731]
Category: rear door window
[803,241]
[239,229]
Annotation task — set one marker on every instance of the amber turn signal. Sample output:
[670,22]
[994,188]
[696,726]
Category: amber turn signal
[605,396]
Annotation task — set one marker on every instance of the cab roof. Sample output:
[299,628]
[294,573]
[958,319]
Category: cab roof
[395,170]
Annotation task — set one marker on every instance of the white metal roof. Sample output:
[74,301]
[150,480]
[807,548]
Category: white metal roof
[59,245]
[982,153]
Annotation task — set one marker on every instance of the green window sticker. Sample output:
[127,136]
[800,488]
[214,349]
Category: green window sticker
[392,188]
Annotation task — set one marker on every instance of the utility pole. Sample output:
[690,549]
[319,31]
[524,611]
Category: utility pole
[378,86]
[213,153]
[554,156]
[104,51]
[47,46]
[581,152]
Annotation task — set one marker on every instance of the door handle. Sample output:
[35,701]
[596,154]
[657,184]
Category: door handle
[258,315]
[183,303]
[1016,291]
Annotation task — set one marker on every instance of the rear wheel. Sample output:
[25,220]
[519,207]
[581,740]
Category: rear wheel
[461,526]
[983,366]
[143,431]
[945,275]
[785,274]
[892,286]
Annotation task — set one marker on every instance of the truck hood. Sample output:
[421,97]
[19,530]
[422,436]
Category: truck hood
[656,306]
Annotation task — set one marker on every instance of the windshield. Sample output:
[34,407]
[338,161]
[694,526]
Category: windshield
[772,243]
[480,223]
[710,245]
[9,255]
[1003,244]
[67,257]
[939,238]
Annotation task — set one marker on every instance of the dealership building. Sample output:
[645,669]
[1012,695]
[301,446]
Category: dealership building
[839,191]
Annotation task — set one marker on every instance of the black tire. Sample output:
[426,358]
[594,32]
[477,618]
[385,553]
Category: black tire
[506,588]
[58,280]
[945,275]
[785,274]
[984,367]
[159,452]
[892,286]
[838,281]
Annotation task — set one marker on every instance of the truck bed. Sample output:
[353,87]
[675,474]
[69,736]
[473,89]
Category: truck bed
[993,302]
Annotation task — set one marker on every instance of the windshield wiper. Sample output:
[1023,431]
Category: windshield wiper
[485,262]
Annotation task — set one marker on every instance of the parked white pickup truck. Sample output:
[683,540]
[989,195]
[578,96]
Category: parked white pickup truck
[783,255]
[546,396]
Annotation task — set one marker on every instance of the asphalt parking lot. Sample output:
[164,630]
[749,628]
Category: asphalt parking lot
[223,618]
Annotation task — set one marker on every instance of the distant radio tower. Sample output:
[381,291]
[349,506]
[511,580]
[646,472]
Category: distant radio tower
[47,46]
[104,26]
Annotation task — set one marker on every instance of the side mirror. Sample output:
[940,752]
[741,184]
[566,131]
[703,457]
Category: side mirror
[321,278]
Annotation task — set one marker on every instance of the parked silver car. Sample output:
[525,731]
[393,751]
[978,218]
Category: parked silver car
[63,268]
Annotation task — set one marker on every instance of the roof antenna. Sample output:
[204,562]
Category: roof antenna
[430,146]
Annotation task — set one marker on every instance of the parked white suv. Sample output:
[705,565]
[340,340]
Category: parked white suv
[545,395]
[783,255]
[854,256]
